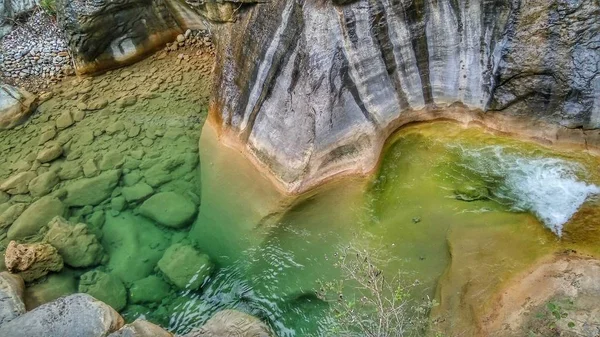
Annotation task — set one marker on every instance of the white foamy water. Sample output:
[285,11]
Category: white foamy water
[550,188]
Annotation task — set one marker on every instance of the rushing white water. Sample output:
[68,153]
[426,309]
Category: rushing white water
[550,188]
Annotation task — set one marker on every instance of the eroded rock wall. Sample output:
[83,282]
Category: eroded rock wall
[104,34]
[312,88]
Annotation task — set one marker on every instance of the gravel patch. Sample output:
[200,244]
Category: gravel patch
[35,54]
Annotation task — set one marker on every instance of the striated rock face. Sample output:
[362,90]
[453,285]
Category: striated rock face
[104,34]
[311,89]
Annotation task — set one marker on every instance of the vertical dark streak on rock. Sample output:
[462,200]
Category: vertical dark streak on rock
[417,19]
[348,84]
[290,39]
[350,24]
[506,40]
[381,37]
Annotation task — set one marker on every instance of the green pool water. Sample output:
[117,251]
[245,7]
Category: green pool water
[273,250]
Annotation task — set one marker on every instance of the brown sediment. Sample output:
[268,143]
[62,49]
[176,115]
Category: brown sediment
[561,274]
[523,128]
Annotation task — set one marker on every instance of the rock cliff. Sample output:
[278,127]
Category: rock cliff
[310,89]
[104,34]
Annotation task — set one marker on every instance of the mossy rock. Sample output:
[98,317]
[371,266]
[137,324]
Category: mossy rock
[151,289]
[77,247]
[104,287]
[134,245]
[185,267]
[169,209]
[49,289]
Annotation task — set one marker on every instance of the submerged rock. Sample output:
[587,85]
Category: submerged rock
[11,294]
[472,193]
[148,290]
[35,217]
[104,287]
[18,183]
[43,184]
[134,246]
[76,245]
[10,214]
[137,192]
[32,261]
[50,288]
[92,191]
[141,328]
[169,209]
[232,323]
[78,315]
[49,153]
[185,267]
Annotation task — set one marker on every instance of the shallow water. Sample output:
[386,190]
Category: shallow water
[273,255]
[461,211]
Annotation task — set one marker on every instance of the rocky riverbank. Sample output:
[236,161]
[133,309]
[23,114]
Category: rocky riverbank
[97,189]
[35,54]
[80,315]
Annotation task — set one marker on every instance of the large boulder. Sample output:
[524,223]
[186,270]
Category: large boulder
[92,191]
[78,315]
[105,34]
[185,267]
[104,287]
[32,260]
[169,209]
[11,294]
[36,217]
[15,104]
[141,328]
[76,245]
[232,323]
